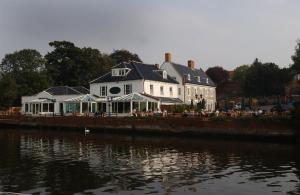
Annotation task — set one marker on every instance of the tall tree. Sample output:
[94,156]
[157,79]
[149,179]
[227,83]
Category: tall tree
[63,63]
[93,64]
[265,79]
[8,90]
[296,58]
[68,64]
[27,68]
[240,73]
[26,60]
[123,55]
[217,74]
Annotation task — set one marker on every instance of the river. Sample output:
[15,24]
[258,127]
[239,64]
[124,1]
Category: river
[53,162]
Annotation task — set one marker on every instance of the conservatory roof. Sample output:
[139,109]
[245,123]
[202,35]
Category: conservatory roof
[40,100]
[83,98]
[135,97]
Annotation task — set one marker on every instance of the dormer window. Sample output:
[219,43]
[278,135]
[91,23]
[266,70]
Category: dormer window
[116,72]
[162,73]
[188,77]
[165,75]
[207,80]
[198,79]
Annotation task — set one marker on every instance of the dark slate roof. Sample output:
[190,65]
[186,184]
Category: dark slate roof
[66,90]
[138,71]
[185,70]
[82,89]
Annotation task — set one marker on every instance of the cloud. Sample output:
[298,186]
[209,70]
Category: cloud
[215,32]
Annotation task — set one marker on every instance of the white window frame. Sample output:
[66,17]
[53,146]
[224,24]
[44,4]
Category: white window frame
[127,89]
[119,72]
[171,91]
[165,75]
[161,90]
[188,77]
[103,91]
[151,89]
[179,91]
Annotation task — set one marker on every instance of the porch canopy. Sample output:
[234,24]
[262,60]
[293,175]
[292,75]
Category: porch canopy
[169,101]
[80,104]
[40,100]
[134,101]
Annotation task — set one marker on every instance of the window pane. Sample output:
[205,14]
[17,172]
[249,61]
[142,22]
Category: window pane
[51,107]
[45,107]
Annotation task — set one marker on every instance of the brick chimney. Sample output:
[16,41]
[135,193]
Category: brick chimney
[191,64]
[157,66]
[168,57]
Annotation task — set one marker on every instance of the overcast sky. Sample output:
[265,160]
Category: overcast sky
[211,32]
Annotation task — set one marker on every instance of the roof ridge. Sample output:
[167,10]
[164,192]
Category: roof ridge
[76,90]
[138,71]
[107,72]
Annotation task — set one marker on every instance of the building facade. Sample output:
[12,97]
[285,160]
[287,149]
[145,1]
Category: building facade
[60,100]
[127,87]
[194,84]
[129,77]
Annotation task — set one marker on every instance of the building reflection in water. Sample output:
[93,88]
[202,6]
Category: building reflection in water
[70,162]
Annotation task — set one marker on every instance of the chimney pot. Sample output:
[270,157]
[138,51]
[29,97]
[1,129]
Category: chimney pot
[191,64]
[168,57]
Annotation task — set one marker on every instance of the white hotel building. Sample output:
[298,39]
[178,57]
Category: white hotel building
[126,87]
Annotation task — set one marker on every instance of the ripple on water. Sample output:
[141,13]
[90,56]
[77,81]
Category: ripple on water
[68,163]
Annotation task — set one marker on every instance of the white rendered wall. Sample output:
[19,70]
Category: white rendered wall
[156,89]
[173,73]
[137,86]
[207,92]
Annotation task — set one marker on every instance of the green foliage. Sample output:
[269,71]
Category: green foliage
[26,60]
[296,58]
[265,79]
[70,65]
[192,104]
[8,93]
[27,70]
[240,73]
[201,105]
[218,74]
[123,55]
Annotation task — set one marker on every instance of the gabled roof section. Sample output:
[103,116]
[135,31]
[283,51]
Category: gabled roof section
[81,89]
[135,97]
[83,98]
[66,90]
[137,71]
[194,74]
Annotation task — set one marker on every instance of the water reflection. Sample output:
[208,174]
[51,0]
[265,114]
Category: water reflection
[68,163]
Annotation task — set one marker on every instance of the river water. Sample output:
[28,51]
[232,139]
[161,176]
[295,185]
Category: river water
[35,162]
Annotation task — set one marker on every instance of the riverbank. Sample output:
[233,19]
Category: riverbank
[245,128]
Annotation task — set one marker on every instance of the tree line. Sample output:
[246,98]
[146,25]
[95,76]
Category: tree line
[26,72]
[259,79]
